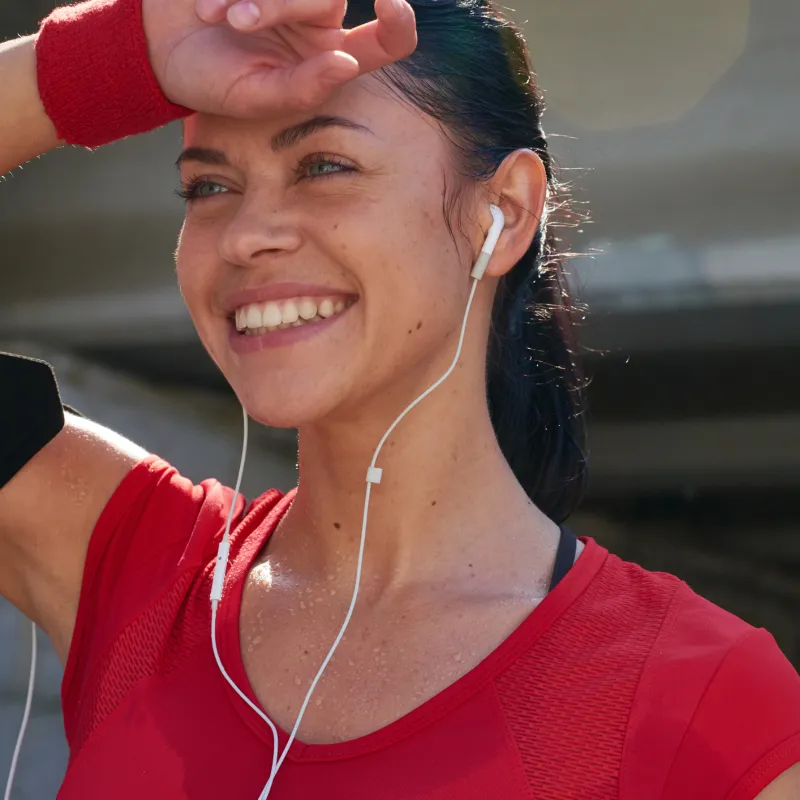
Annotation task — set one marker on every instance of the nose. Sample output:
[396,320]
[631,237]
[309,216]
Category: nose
[257,232]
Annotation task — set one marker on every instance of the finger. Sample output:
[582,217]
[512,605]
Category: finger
[389,38]
[212,11]
[306,39]
[304,86]
[253,15]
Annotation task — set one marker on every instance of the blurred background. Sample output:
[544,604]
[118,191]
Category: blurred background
[677,123]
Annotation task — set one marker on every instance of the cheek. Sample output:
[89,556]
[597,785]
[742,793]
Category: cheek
[195,273]
[416,288]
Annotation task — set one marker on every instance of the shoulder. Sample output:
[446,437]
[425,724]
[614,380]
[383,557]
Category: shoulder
[716,702]
[686,699]
[157,513]
[149,558]
[573,682]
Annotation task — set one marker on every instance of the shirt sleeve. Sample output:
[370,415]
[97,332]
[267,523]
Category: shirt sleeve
[745,730]
[156,524]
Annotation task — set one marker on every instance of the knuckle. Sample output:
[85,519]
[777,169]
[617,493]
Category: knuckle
[307,98]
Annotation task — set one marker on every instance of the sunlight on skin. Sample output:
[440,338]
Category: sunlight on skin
[262,575]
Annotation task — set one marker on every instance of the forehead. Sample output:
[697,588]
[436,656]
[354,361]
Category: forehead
[390,120]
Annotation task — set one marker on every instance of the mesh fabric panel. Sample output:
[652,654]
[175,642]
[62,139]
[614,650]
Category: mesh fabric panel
[158,640]
[567,700]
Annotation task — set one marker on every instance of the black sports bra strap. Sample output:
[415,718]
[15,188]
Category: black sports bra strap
[565,557]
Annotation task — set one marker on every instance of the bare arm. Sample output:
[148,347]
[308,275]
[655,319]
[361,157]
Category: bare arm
[47,513]
[25,129]
[48,510]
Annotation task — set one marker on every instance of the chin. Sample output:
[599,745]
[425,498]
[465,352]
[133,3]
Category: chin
[281,402]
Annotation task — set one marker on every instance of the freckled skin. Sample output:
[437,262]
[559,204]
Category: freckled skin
[265,224]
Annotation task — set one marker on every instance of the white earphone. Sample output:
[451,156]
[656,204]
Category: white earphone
[498,223]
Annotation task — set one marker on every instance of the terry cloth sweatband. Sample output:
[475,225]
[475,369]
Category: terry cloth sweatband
[31,413]
[94,74]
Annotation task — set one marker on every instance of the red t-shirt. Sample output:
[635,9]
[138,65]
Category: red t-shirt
[621,684]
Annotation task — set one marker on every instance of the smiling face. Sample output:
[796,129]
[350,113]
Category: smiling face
[316,260]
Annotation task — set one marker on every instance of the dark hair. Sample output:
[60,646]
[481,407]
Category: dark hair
[471,72]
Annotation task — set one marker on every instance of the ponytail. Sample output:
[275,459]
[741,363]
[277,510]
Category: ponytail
[535,384]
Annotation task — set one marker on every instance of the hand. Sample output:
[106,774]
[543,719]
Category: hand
[260,57]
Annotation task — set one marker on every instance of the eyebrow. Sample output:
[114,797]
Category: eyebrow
[280,141]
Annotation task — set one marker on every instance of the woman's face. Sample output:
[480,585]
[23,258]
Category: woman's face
[316,260]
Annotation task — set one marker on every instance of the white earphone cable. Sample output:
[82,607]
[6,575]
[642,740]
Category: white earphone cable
[265,793]
[224,546]
[25,716]
[216,594]
[374,475]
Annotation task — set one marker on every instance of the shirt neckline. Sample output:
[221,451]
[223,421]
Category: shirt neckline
[519,641]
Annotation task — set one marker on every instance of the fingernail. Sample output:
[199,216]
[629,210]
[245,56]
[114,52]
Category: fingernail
[244,15]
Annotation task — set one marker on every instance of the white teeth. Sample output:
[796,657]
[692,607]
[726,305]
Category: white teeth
[253,317]
[258,319]
[289,313]
[271,315]
[326,309]
[307,309]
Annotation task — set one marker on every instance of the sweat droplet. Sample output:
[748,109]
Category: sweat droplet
[457,657]
[297,680]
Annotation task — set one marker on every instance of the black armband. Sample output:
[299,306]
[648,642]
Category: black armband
[31,412]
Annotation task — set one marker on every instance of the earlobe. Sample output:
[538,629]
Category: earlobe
[520,188]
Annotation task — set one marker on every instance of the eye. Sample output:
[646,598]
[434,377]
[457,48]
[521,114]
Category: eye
[200,189]
[323,166]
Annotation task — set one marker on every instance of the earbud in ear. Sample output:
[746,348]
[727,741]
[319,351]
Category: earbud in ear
[498,221]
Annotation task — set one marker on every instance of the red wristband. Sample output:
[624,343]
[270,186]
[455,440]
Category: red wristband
[94,73]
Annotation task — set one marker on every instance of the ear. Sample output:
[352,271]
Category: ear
[519,188]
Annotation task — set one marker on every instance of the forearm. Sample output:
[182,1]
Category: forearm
[25,129]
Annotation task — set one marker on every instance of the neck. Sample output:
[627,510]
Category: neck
[447,499]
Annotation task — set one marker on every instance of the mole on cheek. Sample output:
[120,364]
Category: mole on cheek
[419,324]
[336,525]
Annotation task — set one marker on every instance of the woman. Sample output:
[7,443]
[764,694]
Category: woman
[338,191]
